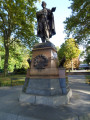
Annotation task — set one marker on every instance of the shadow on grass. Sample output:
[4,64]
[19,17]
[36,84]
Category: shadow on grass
[12,80]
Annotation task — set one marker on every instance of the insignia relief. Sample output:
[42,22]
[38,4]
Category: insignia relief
[40,62]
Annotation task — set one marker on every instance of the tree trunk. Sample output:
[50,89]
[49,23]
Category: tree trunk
[6,45]
[72,64]
[6,61]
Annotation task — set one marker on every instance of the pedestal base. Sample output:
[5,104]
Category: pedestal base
[46,100]
[44,87]
[45,83]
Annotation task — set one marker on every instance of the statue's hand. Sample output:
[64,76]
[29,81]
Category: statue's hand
[53,9]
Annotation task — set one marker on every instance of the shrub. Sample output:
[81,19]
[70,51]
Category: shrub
[20,71]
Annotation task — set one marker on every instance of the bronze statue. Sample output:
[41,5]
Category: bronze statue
[45,19]
[29,62]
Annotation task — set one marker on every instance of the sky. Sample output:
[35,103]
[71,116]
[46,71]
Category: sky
[60,15]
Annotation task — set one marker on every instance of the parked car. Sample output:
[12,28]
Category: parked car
[84,66]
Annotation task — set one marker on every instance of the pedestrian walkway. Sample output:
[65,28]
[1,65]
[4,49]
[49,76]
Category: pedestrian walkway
[77,109]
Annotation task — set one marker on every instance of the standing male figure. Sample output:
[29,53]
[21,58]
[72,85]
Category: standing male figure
[45,19]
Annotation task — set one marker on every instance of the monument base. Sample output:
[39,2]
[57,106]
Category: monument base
[45,83]
[46,100]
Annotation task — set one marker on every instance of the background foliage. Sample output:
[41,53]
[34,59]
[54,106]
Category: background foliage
[78,24]
[17,21]
[69,49]
[18,56]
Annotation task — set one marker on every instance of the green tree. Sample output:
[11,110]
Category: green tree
[78,24]
[2,57]
[87,52]
[2,54]
[17,19]
[18,55]
[57,47]
[69,49]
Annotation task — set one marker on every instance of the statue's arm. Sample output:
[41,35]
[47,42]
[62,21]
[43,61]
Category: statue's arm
[38,15]
[53,9]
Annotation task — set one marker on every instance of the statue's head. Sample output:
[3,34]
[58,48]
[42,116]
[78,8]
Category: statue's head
[44,4]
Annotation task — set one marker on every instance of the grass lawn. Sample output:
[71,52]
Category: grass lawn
[12,80]
[88,79]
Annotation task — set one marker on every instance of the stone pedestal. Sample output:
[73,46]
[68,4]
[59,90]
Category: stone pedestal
[54,100]
[43,84]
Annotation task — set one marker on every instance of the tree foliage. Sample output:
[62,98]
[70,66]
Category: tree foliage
[69,49]
[17,19]
[87,51]
[18,55]
[2,54]
[78,24]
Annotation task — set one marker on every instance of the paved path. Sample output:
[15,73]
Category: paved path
[77,109]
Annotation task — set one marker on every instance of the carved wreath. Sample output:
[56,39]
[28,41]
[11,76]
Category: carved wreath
[40,62]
